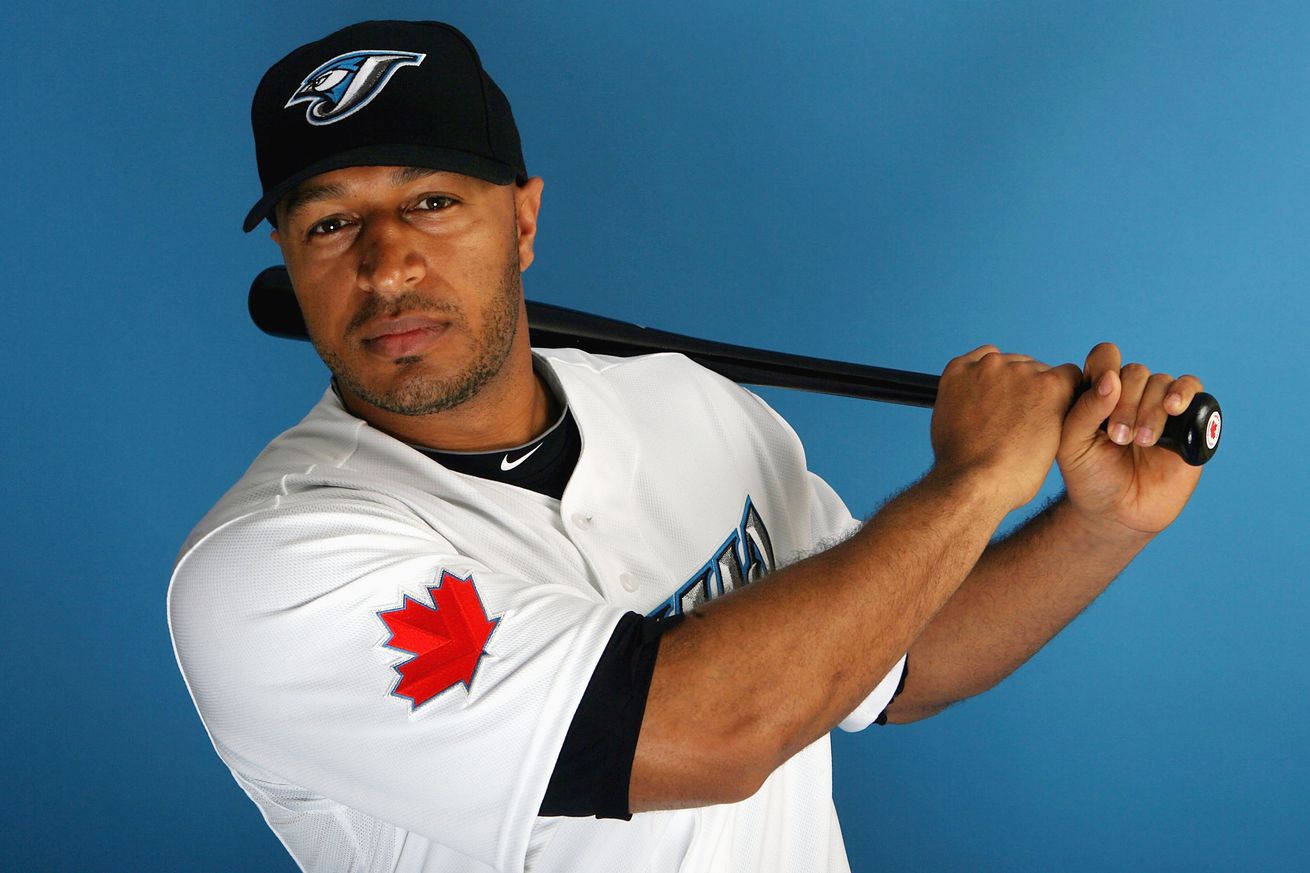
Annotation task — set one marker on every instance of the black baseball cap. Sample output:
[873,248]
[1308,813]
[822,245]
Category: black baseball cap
[381,93]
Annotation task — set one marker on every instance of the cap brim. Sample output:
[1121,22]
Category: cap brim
[448,160]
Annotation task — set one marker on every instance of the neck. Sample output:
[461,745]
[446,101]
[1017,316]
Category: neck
[513,408]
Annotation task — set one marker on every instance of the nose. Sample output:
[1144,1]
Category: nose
[391,263]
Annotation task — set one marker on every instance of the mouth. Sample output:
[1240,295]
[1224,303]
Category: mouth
[403,337]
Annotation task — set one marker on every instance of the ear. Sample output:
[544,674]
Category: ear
[527,203]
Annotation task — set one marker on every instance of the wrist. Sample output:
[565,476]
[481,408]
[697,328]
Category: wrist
[1096,530]
[976,489]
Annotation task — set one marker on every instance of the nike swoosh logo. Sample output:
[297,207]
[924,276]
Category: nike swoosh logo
[507,464]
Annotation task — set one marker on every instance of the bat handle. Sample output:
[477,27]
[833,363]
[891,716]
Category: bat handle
[1192,434]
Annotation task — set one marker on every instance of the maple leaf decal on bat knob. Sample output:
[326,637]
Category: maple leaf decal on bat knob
[447,639]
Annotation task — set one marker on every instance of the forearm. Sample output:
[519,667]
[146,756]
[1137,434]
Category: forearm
[751,678]
[1021,593]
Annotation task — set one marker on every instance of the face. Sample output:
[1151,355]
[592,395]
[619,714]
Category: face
[409,280]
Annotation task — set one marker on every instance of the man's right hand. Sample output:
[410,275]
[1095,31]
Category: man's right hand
[1000,416]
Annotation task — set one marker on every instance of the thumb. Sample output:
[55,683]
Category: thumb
[1093,407]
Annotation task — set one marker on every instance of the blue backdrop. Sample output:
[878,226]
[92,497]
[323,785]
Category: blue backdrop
[882,182]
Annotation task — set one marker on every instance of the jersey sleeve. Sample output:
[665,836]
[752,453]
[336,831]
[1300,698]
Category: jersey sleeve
[593,773]
[830,520]
[347,650]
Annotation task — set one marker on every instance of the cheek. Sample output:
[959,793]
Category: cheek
[477,267]
[322,284]
[325,313]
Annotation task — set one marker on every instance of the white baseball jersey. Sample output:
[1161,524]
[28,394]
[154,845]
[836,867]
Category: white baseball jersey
[388,654]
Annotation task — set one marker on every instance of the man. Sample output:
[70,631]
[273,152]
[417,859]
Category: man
[487,608]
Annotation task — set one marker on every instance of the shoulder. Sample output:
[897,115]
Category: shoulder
[668,395]
[665,383]
[327,460]
[669,364]
[327,500]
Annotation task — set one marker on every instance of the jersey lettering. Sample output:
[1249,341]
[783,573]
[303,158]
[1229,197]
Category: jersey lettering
[745,557]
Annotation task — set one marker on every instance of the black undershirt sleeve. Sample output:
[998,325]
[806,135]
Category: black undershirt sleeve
[595,763]
[594,766]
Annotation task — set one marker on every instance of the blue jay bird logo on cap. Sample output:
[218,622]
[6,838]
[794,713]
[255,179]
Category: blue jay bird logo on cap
[347,83]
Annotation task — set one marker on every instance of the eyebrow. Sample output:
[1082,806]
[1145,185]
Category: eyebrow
[405,175]
[302,196]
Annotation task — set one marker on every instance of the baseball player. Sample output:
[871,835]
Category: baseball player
[495,608]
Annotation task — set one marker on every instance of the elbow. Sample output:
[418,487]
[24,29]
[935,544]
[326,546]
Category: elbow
[691,782]
[907,712]
[915,700]
[730,782]
[684,769]
[754,746]
[742,773]
[919,697]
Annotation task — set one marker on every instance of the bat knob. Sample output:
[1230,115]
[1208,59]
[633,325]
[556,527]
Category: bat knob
[273,306]
[1194,433]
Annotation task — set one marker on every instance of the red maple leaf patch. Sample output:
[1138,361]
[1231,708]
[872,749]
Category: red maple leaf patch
[447,641]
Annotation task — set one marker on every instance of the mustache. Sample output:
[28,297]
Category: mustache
[410,302]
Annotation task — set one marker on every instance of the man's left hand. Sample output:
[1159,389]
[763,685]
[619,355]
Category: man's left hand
[1118,478]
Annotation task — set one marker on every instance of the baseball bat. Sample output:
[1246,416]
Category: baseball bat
[1193,434]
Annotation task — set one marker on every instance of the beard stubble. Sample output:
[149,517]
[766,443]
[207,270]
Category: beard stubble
[424,394]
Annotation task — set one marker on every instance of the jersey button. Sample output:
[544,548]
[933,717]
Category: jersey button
[628,581]
[582,521]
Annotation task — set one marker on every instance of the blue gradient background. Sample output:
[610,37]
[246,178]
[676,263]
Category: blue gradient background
[879,182]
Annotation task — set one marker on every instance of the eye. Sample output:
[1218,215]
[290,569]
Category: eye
[327,226]
[435,202]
